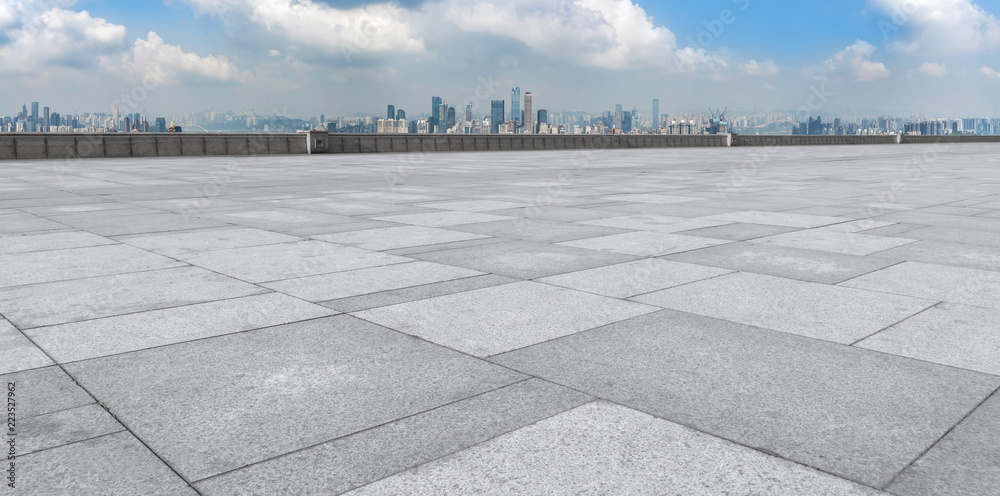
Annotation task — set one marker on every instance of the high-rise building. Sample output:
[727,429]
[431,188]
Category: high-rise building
[451,117]
[543,118]
[529,121]
[496,115]
[432,123]
[468,112]
[114,118]
[160,125]
[656,114]
[34,117]
[400,114]
[442,118]
[617,123]
[391,113]
[515,104]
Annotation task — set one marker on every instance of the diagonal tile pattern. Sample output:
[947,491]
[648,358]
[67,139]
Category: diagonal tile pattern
[483,325]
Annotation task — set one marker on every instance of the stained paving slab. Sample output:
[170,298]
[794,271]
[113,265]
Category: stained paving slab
[559,322]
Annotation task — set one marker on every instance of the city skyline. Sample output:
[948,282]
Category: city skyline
[282,57]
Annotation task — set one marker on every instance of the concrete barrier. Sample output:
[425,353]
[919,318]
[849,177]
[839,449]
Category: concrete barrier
[24,146]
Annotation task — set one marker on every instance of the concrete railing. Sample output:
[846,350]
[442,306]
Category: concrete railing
[21,146]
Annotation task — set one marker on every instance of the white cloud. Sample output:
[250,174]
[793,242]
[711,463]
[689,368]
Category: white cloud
[939,25]
[932,69]
[610,34]
[377,28]
[692,60]
[164,63]
[765,68]
[853,62]
[990,73]
[40,41]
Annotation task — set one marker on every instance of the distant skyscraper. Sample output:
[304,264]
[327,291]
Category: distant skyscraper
[656,113]
[468,113]
[442,118]
[45,119]
[529,121]
[451,117]
[160,125]
[435,108]
[543,117]
[496,115]
[400,114]
[515,104]
[391,113]
[617,123]
[34,116]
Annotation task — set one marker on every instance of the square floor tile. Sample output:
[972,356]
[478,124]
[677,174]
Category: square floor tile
[783,261]
[944,253]
[19,353]
[396,237]
[524,259]
[374,454]
[95,297]
[850,412]
[603,448]
[50,241]
[64,427]
[488,321]
[308,383]
[963,463]
[633,278]
[184,244]
[657,223]
[838,242]
[290,260]
[645,243]
[542,231]
[738,231]
[136,331]
[935,282]
[778,219]
[59,265]
[112,464]
[951,334]
[804,308]
[441,219]
[371,280]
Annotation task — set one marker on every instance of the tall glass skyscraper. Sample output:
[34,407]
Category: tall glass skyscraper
[435,110]
[515,104]
[496,115]
[656,113]
[529,122]
[391,112]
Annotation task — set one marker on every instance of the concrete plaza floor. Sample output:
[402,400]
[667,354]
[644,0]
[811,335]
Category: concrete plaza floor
[810,320]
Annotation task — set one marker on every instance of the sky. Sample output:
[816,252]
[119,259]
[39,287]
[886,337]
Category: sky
[345,57]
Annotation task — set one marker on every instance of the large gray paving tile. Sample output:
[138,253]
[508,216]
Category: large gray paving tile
[493,320]
[396,237]
[602,448]
[446,246]
[542,231]
[184,244]
[290,260]
[64,427]
[650,198]
[633,278]
[112,223]
[656,223]
[951,334]
[963,463]
[368,456]
[247,397]
[371,280]
[839,242]
[783,261]
[50,241]
[69,301]
[778,219]
[952,235]
[442,219]
[948,221]
[116,464]
[43,391]
[645,243]
[524,259]
[282,220]
[19,353]
[555,213]
[136,331]
[75,263]
[945,253]
[808,309]
[851,412]
[936,282]
[474,205]
[738,231]
[393,297]
[26,223]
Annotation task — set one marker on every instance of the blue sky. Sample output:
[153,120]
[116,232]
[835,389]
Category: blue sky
[305,57]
